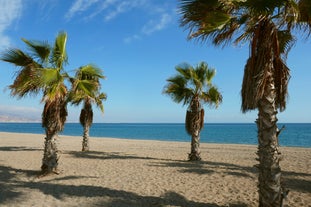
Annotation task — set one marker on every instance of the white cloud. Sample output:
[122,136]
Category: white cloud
[10,10]
[153,26]
[79,6]
[156,14]
[46,8]
[111,8]
[131,38]
[122,7]
[100,8]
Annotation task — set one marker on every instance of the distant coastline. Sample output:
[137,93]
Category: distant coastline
[16,119]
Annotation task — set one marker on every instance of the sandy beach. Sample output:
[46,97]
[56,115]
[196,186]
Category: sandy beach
[133,173]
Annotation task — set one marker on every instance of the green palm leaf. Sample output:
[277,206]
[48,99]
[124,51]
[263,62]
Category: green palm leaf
[25,83]
[49,76]
[17,57]
[59,56]
[90,72]
[40,49]
[99,101]
[204,17]
[190,82]
[86,86]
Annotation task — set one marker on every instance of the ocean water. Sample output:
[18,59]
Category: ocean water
[293,135]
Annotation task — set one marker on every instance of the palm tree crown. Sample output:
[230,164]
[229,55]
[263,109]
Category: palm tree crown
[86,86]
[267,24]
[191,82]
[41,69]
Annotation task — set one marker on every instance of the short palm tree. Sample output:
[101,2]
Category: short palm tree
[193,86]
[41,69]
[86,88]
[267,26]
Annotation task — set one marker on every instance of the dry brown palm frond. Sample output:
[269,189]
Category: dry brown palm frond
[54,115]
[188,124]
[248,91]
[82,116]
[86,117]
[265,63]
[202,119]
[281,79]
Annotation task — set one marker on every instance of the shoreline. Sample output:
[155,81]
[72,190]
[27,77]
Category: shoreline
[153,140]
[131,173]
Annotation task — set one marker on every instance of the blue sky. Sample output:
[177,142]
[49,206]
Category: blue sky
[137,43]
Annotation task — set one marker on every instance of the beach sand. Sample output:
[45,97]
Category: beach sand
[134,173]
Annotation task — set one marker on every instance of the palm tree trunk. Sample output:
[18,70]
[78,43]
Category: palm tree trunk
[194,120]
[86,120]
[53,119]
[195,146]
[85,142]
[269,155]
[50,155]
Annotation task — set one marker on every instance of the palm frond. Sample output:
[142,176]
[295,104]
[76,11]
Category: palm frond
[87,87]
[55,91]
[17,57]
[25,83]
[54,114]
[281,77]
[188,122]
[305,15]
[177,89]
[210,74]
[286,42]
[76,98]
[202,113]
[248,90]
[49,77]
[59,55]
[40,49]
[206,19]
[86,116]
[89,72]
[266,64]
[185,70]
[212,97]
[26,78]
[99,101]
[263,7]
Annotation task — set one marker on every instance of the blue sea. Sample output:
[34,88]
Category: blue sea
[298,135]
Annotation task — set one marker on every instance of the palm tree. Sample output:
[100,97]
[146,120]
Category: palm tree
[193,86]
[267,26]
[41,69]
[86,88]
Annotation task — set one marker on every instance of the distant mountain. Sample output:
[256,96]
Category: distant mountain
[12,118]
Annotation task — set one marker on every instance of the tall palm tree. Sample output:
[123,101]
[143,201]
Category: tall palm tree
[41,69]
[86,88]
[267,26]
[193,86]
